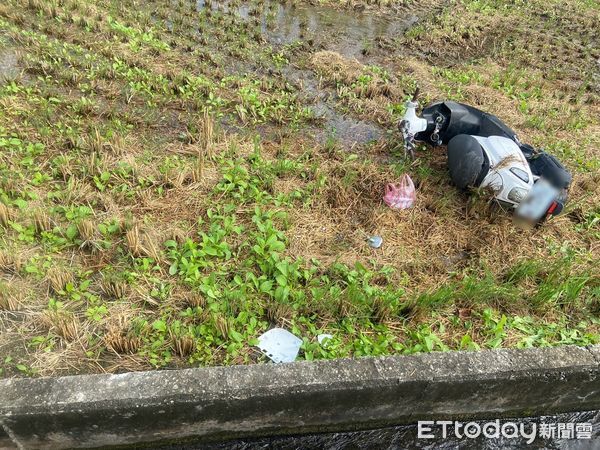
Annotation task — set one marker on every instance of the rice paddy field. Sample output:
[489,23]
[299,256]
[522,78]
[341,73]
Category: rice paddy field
[178,177]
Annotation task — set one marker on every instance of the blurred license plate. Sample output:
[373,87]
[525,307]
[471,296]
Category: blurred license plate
[537,202]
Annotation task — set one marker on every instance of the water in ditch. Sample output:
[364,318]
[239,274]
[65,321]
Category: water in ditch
[404,437]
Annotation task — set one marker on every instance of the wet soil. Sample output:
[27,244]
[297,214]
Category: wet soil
[346,130]
[9,66]
[350,33]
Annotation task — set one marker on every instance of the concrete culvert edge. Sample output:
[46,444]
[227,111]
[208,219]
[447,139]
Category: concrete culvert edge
[220,403]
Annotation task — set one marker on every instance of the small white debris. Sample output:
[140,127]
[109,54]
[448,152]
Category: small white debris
[375,241]
[279,345]
[322,337]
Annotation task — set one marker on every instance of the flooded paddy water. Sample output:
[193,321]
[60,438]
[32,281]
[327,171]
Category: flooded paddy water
[350,33]
[9,66]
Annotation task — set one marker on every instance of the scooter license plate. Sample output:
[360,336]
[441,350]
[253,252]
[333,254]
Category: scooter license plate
[538,201]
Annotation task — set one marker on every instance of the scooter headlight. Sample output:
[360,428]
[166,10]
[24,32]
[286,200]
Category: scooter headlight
[517,194]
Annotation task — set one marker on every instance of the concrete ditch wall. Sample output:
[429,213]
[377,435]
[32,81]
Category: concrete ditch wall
[229,402]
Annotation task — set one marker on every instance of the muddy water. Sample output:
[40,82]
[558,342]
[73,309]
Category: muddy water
[345,130]
[9,67]
[406,437]
[347,32]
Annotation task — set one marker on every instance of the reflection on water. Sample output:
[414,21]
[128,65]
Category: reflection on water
[405,437]
[347,32]
[344,31]
[9,67]
[345,130]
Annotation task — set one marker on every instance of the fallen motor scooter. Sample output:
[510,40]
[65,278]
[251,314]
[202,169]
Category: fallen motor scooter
[485,152]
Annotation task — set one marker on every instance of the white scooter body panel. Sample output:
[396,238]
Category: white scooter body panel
[509,175]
